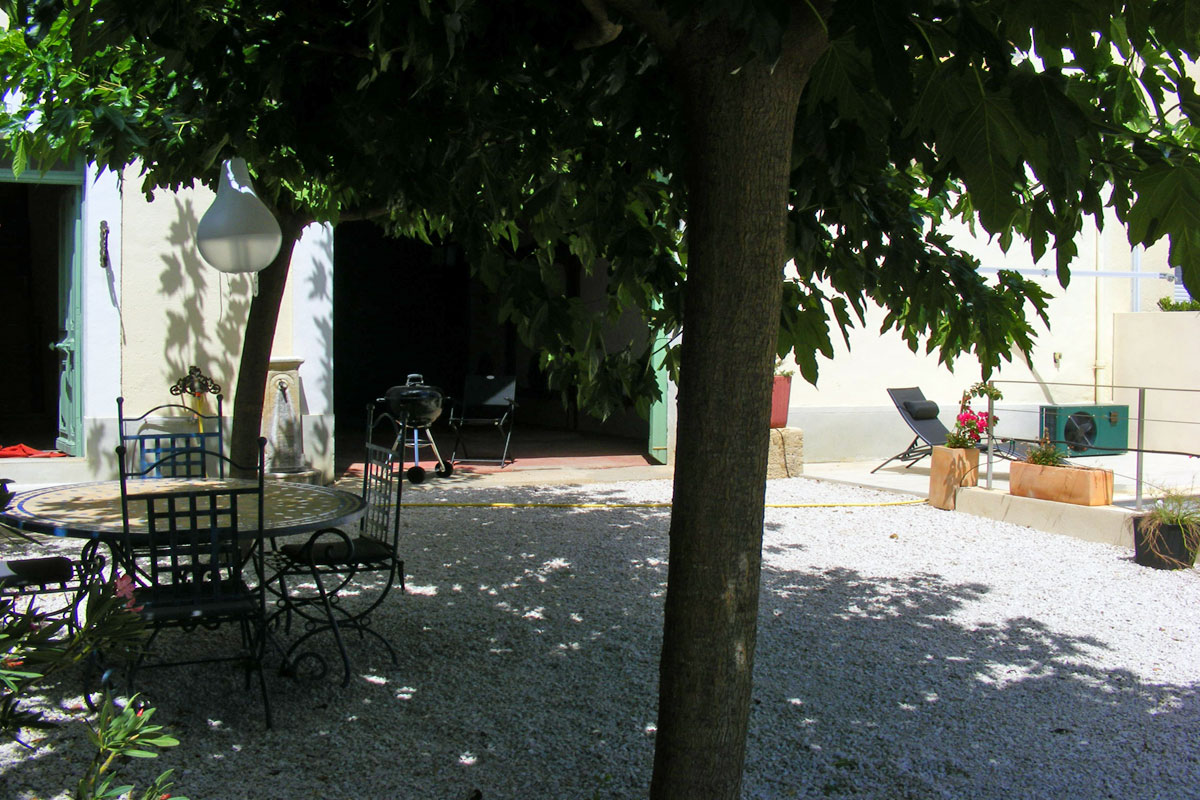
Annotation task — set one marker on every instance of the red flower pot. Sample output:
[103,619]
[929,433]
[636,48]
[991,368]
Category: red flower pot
[781,394]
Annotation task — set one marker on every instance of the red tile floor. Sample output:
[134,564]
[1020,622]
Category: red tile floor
[531,448]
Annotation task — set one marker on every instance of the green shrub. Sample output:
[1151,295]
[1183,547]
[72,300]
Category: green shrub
[36,643]
[1169,304]
[1045,453]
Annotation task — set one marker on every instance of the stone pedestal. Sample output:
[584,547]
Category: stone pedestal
[785,459]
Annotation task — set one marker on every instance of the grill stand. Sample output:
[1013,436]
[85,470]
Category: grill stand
[416,473]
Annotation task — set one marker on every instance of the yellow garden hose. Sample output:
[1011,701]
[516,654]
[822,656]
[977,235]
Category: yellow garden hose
[653,505]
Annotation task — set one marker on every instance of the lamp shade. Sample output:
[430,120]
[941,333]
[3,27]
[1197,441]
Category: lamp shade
[238,233]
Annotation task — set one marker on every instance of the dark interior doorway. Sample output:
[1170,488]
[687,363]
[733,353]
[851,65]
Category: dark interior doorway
[30,322]
[402,306]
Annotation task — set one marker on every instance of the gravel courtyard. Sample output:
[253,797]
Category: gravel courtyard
[904,652]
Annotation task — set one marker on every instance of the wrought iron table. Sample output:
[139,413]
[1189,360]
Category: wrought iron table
[93,510]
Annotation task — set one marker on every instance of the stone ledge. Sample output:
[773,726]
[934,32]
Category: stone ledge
[785,459]
[1106,524]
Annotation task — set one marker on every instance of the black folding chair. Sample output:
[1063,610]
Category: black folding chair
[921,415]
[171,429]
[191,562]
[488,401]
[336,579]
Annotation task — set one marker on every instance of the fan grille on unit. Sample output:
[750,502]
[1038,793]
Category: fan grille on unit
[1079,431]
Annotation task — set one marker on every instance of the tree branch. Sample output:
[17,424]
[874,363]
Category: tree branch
[602,32]
[649,16]
[362,214]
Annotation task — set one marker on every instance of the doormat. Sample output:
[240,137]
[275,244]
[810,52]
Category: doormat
[25,451]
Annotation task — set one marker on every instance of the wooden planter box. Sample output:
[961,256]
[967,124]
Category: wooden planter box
[950,468]
[1082,486]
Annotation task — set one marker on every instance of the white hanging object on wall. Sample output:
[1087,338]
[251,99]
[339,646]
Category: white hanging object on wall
[238,233]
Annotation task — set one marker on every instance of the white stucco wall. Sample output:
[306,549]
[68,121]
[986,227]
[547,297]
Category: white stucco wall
[848,414]
[161,309]
[1158,351]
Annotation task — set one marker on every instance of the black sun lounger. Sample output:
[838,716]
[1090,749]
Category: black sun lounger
[922,416]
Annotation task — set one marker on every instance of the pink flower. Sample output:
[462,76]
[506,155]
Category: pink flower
[124,588]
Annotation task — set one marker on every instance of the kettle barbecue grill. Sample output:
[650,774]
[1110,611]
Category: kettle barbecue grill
[416,406]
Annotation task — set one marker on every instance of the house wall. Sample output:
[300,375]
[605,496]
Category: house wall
[158,309]
[847,415]
[179,312]
[1157,351]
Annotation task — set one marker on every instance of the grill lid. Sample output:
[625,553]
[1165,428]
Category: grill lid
[415,403]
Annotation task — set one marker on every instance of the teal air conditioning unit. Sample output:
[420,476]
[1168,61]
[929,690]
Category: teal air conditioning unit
[1087,430]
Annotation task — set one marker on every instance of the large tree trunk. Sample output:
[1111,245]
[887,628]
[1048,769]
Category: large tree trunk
[740,123]
[256,349]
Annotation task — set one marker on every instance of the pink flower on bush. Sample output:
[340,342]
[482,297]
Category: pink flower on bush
[970,426]
[123,588]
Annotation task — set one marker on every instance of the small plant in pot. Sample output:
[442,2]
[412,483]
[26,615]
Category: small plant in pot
[1168,535]
[1045,454]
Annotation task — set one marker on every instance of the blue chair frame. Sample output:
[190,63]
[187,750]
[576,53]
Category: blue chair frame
[149,439]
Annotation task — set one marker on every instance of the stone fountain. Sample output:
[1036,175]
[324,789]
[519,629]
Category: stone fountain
[283,424]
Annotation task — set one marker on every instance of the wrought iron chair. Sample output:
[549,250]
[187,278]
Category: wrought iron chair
[488,401]
[160,432]
[191,561]
[57,584]
[324,580]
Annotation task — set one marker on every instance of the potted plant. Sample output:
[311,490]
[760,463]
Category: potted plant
[1168,535]
[956,463]
[781,395]
[1046,475]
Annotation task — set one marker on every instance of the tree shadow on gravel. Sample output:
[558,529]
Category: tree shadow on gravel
[528,646]
[528,660]
[866,687]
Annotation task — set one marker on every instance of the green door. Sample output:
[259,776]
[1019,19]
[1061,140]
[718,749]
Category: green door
[41,242]
[70,384]
[658,411]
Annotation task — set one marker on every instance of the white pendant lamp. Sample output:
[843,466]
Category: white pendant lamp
[238,233]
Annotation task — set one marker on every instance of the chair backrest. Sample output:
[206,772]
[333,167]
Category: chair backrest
[383,484]
[920,414]
[382,427]
[196,540]
[171,429]
[489,392]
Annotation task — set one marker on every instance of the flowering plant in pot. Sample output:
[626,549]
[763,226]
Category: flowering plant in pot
[1168,535]
[970,425]
[956,463]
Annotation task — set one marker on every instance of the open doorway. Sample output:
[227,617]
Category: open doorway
[401,306]
[37,315]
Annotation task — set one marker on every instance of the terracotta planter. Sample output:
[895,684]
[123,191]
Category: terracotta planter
[781,395]
[1081,486]
[950,468]
[1163,549]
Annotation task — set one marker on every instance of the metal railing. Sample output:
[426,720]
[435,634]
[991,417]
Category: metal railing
[1139,417]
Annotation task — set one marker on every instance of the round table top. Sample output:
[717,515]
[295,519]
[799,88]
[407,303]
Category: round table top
[93,510]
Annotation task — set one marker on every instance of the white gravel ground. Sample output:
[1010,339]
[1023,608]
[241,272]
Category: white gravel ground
[904,652]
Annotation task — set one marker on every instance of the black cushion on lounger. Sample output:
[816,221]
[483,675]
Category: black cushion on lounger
[921,409]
